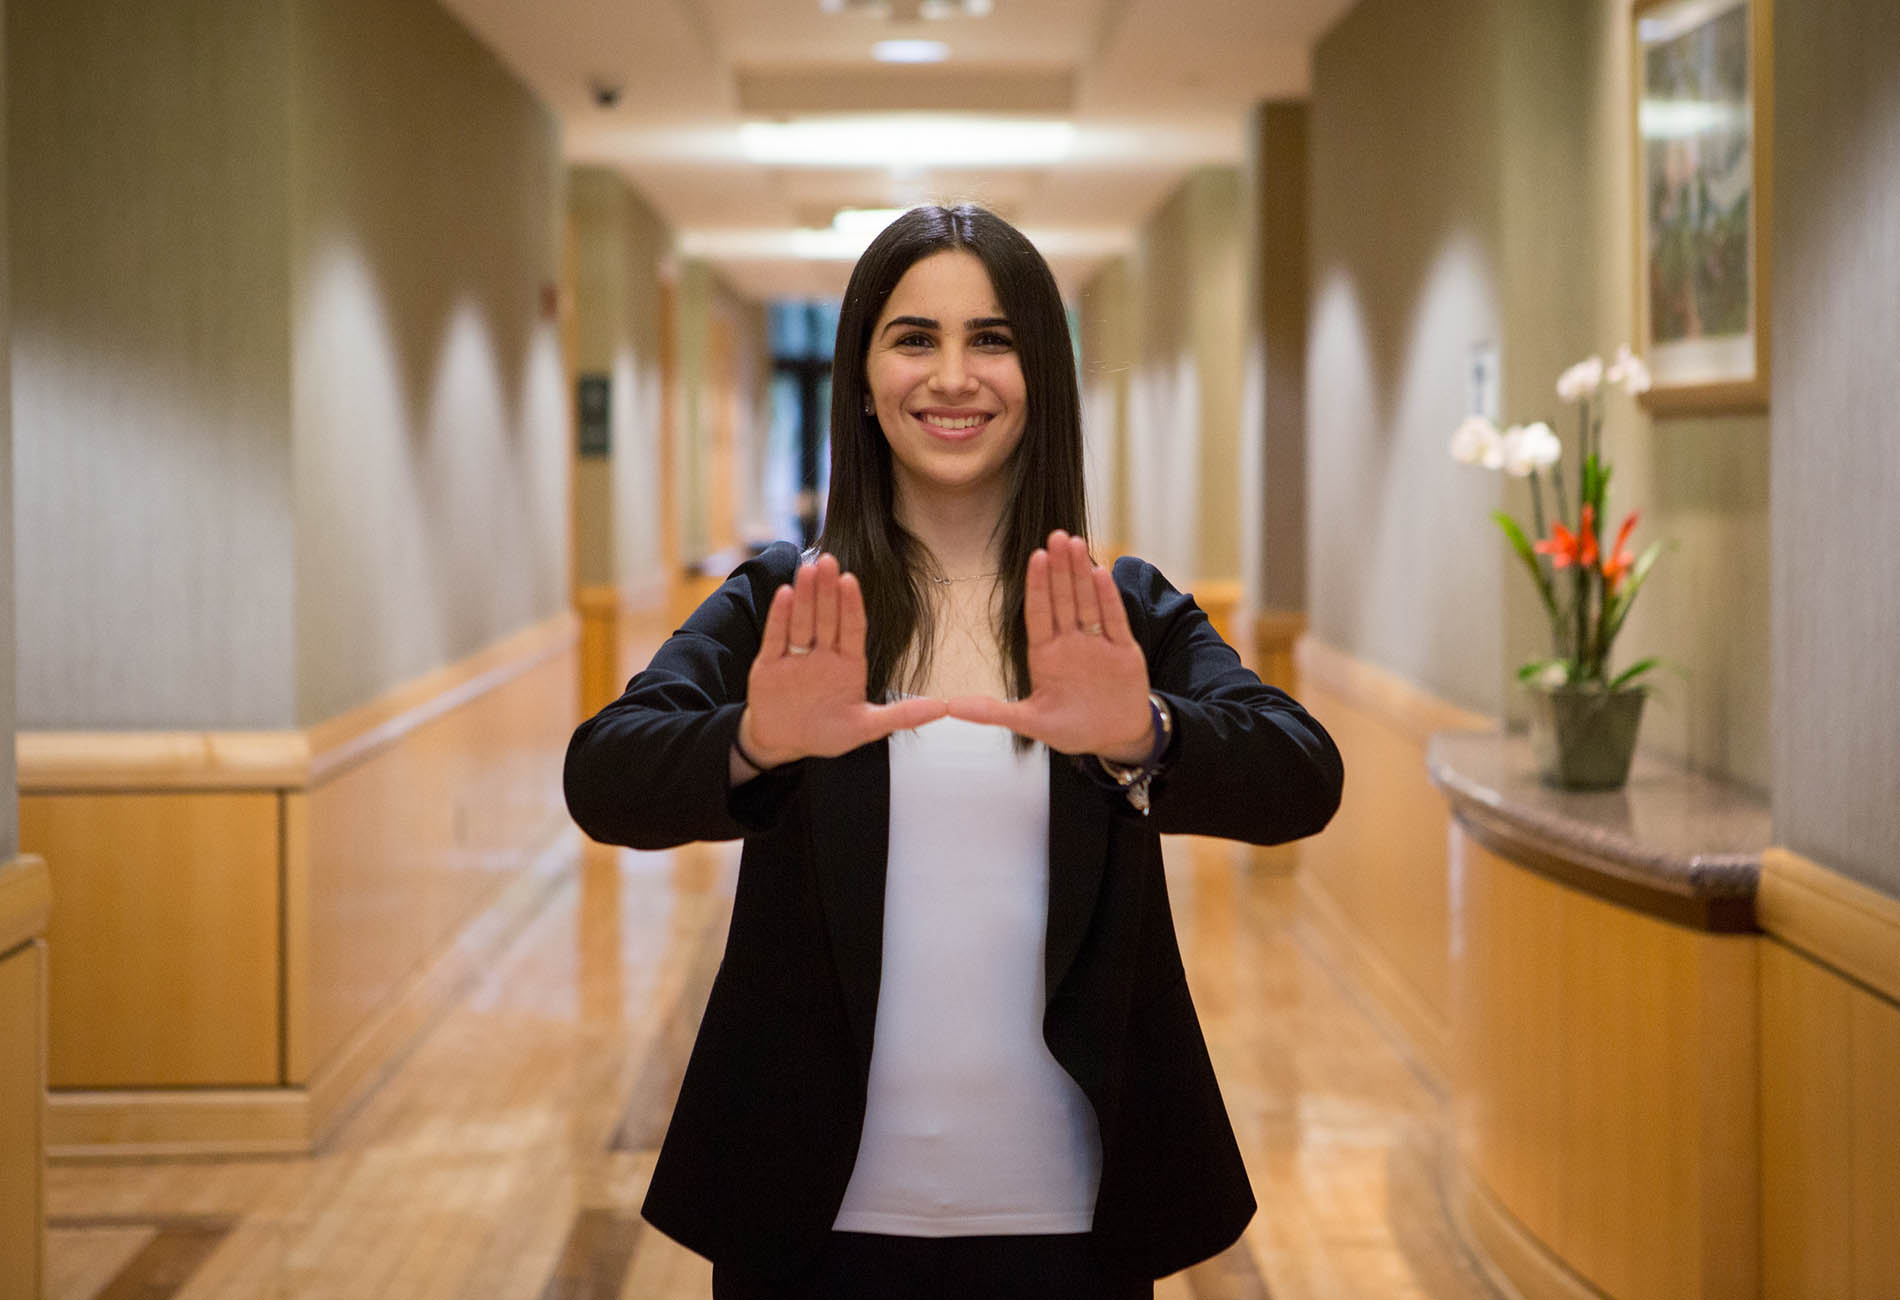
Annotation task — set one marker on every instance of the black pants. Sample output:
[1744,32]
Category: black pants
[865,1266]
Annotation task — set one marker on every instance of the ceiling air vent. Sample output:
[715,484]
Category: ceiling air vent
[905,11]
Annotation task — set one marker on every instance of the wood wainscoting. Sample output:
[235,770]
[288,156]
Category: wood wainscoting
[1830,1031]
[25,902]
[1606,1091]
[247,929]
[1375,884]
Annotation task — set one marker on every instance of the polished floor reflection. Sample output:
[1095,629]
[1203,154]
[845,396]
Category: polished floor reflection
[506,1156]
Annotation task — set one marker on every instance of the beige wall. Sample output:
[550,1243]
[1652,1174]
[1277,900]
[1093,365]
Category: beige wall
[620,243]
[429,409]
[724,370]
[1460,196]
[1273,414]
[1836,460]
[151,381]
[1173,314]
[1107,360]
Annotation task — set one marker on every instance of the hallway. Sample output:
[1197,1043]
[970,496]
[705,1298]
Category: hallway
[507,1155]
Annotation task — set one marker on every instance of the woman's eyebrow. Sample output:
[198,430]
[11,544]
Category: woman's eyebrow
[986,322]
[915,322]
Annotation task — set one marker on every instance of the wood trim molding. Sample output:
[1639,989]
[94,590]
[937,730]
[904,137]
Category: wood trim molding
[55,762]
[1836,920]
[26,901]
[165,1124]
[1407,708]
[349,738]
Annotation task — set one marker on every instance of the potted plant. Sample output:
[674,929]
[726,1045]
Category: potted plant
[1584,716]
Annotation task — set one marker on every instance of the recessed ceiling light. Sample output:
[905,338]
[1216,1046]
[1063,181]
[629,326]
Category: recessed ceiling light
[910,51]
[907,140]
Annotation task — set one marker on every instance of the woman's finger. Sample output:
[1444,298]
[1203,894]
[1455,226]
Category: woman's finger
[852,624]
[804,609]
[1061,584]
[778,623]
[1114,613]
[1036,616]
[988,710]
[903,715]
[1088,604]
[825,630]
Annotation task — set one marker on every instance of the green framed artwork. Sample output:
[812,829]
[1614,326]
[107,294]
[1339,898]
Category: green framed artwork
[1702,91]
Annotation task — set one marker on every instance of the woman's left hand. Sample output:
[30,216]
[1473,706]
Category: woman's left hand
[1088,677]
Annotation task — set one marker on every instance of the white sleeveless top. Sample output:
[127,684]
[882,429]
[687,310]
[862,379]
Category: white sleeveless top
[971,1128]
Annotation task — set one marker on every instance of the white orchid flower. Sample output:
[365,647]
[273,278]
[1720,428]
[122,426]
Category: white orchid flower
[1629,370]
[1473,441]
[1581,381]
[1532,447]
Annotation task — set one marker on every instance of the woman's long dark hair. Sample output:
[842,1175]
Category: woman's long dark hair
[1046,486]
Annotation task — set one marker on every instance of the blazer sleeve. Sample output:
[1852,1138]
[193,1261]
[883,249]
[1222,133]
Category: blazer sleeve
[1245,762]
[650,770]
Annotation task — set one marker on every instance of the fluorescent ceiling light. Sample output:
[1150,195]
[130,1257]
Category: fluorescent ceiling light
[864,223]
[901,141]
[910,51]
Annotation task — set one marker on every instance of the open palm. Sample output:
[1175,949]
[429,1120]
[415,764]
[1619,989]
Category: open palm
[1088,677]
[805,692]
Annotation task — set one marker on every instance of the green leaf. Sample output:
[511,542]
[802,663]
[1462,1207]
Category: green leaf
[1634,671]
[1522,545]
[1639,573]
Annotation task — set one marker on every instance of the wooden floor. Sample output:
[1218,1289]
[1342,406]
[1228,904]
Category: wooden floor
[507,1155]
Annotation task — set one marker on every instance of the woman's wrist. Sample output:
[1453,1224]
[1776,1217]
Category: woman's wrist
[1135,751]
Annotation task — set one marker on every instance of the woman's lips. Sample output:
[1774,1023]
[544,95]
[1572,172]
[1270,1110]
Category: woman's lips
[953,426]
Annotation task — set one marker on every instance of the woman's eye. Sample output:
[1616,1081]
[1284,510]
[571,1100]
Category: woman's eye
[914,340]
[990,339]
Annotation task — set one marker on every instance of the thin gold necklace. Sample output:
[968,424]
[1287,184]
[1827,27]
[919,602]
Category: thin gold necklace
[974,577]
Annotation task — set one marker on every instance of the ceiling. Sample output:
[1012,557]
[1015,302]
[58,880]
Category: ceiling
[1073,118]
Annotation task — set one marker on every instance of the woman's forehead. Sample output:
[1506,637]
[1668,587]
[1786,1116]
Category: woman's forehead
[950,286]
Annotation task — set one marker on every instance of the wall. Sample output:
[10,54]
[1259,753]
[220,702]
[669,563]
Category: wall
[1173,313]
[1404,568]
[1460,196]
[428,402]
[151,382]
[1107,362]
[1273,416]
[1836,461]
[1702,482]
[619,244]
[723,372]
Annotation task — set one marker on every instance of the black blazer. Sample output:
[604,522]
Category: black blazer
[765,1134]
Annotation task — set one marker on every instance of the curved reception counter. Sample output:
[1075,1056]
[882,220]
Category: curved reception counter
[1606,1028]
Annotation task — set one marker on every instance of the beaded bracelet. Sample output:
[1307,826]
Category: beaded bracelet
[1135,781]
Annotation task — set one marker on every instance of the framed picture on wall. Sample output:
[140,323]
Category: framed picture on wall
[1702,89]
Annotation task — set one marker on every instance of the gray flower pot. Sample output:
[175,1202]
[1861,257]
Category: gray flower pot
[1583,737]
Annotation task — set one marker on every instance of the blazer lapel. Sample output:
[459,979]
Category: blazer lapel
[850,833]
[1078,851]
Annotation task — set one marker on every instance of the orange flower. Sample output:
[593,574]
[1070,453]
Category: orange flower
[1566,548]
[1617,564]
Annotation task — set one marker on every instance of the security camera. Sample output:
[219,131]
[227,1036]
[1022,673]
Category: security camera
[606,93]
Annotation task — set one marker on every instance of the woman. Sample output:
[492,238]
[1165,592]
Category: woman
[950,1050]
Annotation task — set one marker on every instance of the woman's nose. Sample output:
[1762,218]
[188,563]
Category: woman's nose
[952,375]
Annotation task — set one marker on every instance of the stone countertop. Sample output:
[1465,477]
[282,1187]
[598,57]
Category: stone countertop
[1668,829]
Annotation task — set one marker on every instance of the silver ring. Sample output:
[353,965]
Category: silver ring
[1093,629]
[798,649]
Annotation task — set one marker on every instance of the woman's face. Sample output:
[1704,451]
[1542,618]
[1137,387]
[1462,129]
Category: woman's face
[945,379]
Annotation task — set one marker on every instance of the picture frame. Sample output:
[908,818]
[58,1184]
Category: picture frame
[1702,81]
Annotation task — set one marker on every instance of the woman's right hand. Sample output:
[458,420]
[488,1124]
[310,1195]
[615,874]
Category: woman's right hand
[805,693]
